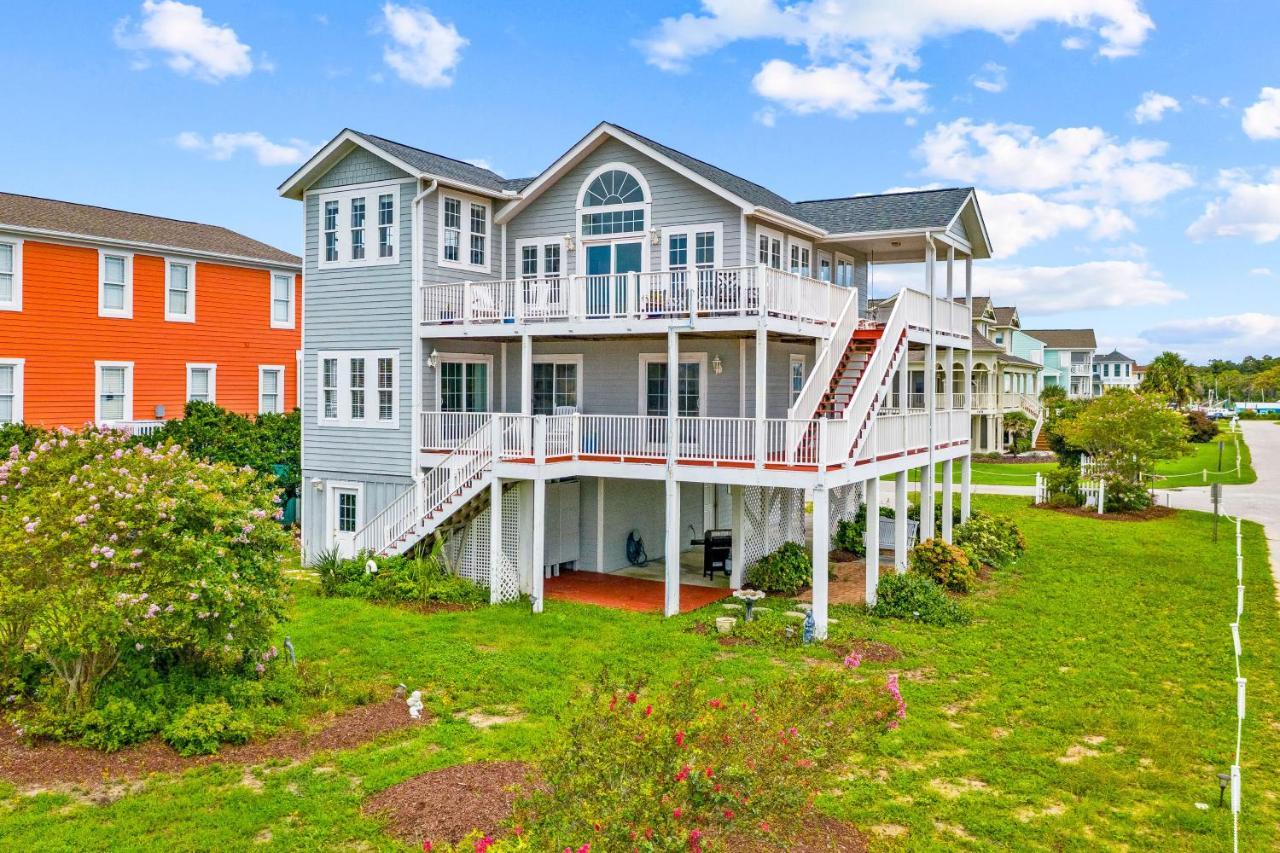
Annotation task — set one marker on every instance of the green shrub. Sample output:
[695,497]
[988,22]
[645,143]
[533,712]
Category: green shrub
[913,596]
[1063,485]
[913,509]
[200,729]
[22,436]
[647,769]
[424,577]
[1122,496]
[268,443]
[994,539]
[786,571]
[851,533]
[118,723]
[1203,428]
[948,565]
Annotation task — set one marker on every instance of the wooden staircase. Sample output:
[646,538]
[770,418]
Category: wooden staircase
[848,373]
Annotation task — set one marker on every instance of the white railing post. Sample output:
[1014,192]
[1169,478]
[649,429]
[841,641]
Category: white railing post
[691,291]
[495,436]
[466,302]
[822,451]
[540,440]
[1102,491]
[575,434]
[633,288]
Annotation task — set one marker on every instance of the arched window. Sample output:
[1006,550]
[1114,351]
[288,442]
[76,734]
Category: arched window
[614,200]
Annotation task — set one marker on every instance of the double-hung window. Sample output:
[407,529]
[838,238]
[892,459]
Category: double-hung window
[11,391]
[556,383]
[769,246]
[359,388]
[270,389]
[691,247]
[114,391]
[10,274]
[115,290]
[202,383]
[282,310]
[180,291]
[801,258]
[464,232]
[359,227]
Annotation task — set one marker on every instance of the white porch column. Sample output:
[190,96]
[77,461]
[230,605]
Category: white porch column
[539,540]
[951,262]
[671,555]
[946,500]
[821,545]
[872,491]
[968,355]
[966,482]
[927,485]
[495,538]
[673,399]
[738,554]
[761,366]
[526,375]
[900,522]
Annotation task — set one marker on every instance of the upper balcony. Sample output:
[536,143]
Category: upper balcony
[711,299]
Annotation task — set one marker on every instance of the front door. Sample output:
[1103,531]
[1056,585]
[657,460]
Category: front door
[607,268]
[344,515]
[688,399]
[464,388]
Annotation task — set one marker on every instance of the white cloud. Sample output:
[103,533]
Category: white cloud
[767,116]
[1247,209]
[843,89]
[224,146]
[991,78]
[424,51]
[857,48]
[1153,106]
[1082,164]
[1262,119]
[1091,286]
[1224,336]
[191,42]
[1261,271]
[1017,220]
[1074,43]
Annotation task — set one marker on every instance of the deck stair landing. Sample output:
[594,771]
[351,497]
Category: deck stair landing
[848,373]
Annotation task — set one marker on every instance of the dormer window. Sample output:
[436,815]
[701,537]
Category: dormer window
[614,200]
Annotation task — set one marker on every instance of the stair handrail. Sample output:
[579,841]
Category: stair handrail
[408,509]
[824,367]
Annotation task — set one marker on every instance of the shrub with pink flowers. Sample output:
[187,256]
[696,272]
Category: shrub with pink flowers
[119,556]
[689,769]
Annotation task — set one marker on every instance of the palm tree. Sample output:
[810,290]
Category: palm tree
[1170,374]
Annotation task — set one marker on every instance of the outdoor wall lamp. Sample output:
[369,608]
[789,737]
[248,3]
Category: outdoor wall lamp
[568,242]
[433,360]
[717,366]
[655,236]
[317,484]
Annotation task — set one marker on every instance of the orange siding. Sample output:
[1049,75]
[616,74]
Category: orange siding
[59,333]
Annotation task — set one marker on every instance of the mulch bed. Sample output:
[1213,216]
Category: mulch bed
[816,833]
[445,805]
[871,651]
[51,763]
[1148,514]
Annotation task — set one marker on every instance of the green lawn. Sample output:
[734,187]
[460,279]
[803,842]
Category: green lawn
[1189,470]
[993,473]
[1088,706]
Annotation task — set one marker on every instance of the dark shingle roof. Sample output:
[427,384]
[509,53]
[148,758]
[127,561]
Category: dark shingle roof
[1017,359]
[1064,338]
[23,211]
[445,167]
[983,344]
[887,212]
[1004,316]
[1114,355]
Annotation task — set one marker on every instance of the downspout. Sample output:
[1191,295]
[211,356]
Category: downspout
[415,393]
[931,361]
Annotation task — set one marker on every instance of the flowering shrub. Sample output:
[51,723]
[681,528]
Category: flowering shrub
[123,552]
[787,570]
[994,539]
[1122,496]
[1063,485]
[913,596]
[946,564]
[684,769]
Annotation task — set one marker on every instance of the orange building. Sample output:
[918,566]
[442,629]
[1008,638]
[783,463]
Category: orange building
[121,318]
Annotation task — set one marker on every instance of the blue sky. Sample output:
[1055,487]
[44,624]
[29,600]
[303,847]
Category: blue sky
[1127,153]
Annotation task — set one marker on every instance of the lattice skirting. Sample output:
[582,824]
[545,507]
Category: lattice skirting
[844,502]
[771,516]
[466,549]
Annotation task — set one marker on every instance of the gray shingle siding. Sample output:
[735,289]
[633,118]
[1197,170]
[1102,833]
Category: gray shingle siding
[358,167]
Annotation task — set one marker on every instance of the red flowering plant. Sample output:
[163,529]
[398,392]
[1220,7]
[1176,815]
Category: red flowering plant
[688,769]
[131,556]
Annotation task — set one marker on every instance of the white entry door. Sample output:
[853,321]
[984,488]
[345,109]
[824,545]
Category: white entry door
[344,518]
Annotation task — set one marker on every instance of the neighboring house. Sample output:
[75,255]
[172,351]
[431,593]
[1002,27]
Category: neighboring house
[1139,373]
[1068,359]
[120,318]
[488,360]
[1115,370]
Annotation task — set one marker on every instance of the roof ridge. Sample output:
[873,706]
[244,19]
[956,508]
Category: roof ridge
[432,153]
[884,195]
[127,212]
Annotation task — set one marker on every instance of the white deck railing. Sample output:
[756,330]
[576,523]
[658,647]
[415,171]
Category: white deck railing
[711,292]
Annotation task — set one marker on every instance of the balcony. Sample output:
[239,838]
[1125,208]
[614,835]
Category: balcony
[1082,369]
[635,301]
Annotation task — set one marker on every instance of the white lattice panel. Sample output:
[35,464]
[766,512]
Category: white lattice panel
[771,516]
[466,548]
[844,502]
[508,586]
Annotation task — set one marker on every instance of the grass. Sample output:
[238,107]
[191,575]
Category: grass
[1188,470]
[993,473]
[1104,629]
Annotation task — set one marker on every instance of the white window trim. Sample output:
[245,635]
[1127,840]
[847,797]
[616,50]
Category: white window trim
[467,358]
[784,259]
[647,358]
[370,193]
[370,419]
[331,509]
[796,358]
[580,256]
[464,238]
[801,244]
[540,244]
[190,316]
[19,369]
[14,304]
[293,298]
[689,231]
[126,312]
[567,358]
[263,370]
[213,379]
[581,207]
[97,390]
[297,358]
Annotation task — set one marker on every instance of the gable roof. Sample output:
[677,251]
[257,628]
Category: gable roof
[981,343]
[885,212]
[1006,316]
[438,165]
[1010,358]
[1064,338]
[981,305]
[50,217]
[1114,355]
